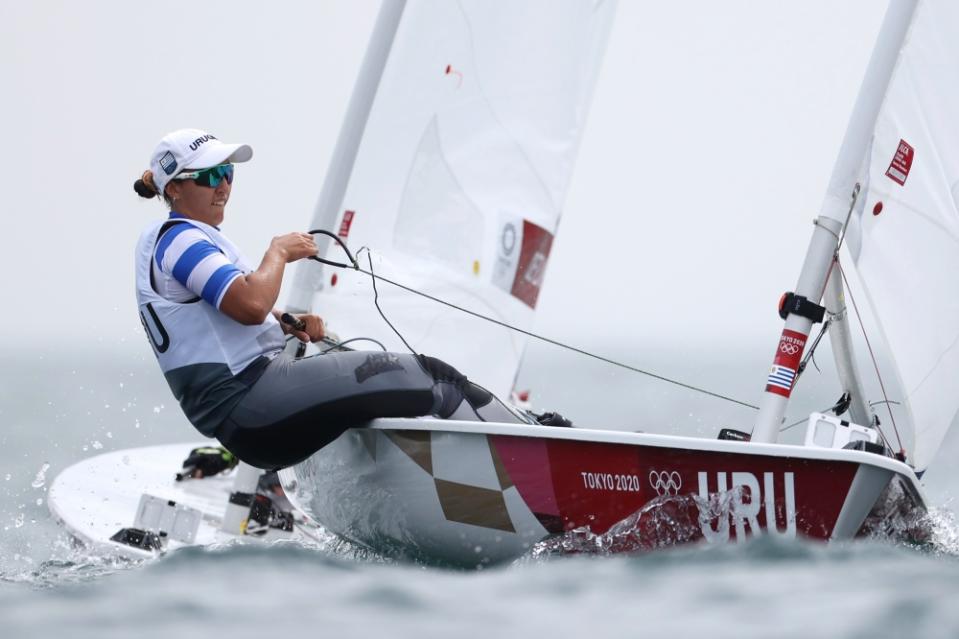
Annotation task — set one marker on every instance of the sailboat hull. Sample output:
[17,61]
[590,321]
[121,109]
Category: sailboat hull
[473,494]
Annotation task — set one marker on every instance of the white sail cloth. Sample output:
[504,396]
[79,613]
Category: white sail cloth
[904,238]
[461,174]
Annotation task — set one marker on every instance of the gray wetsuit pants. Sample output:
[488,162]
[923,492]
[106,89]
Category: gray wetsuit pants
[297,406]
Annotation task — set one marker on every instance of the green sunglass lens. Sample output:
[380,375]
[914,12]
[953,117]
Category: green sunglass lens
[214,175]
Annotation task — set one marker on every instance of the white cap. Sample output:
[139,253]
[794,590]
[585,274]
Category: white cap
[192,149]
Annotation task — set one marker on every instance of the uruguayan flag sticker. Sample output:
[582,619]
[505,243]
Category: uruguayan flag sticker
[781,377]
[168,163]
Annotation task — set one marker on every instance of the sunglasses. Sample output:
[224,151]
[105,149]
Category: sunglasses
[210,177]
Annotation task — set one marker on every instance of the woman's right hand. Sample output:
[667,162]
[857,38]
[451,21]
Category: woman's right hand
[250,298]
[294,246]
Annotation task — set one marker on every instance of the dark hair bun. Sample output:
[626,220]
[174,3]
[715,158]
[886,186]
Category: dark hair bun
[143,189]
[145,186]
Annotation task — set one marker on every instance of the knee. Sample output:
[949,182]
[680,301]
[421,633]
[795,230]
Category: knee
[440,371]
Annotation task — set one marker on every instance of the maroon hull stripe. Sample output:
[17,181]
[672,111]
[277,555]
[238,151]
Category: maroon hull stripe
[600,484]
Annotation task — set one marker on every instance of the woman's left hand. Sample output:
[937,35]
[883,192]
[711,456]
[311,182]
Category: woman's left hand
[314,330]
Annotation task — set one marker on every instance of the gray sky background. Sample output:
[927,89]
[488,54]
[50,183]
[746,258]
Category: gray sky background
[711,138]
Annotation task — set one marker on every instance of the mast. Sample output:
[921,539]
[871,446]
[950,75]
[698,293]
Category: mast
[832,217]
[308,277]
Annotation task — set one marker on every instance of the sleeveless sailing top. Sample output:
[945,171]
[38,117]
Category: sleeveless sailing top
[209,360]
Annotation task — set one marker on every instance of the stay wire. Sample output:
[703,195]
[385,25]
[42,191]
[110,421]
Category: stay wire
[872,355]
[811,352]
[853,200]
[357,267]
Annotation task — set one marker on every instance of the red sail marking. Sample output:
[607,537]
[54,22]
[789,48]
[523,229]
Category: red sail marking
[531,267]
[901,163]
[345,225]
[459,76]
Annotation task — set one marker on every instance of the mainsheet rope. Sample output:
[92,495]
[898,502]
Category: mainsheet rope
[354,265]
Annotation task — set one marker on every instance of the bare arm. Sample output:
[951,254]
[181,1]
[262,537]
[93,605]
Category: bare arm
[250,298]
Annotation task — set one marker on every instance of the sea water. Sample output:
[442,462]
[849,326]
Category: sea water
[59,407]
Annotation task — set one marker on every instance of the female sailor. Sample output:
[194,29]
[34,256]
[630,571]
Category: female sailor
[212,323]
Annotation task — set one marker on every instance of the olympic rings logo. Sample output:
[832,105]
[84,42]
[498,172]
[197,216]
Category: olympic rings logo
[665,482]
[788,349]
[508,239]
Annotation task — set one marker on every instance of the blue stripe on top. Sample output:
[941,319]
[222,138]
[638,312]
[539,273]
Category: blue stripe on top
[195,254]
[221,278]
[219,272]
[167,239]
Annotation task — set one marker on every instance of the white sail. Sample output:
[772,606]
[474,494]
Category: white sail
[904,238]
[461,174]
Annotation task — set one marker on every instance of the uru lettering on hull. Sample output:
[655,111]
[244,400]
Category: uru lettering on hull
[739,497]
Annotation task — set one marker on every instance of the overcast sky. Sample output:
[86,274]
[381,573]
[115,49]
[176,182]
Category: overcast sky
[710,142]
